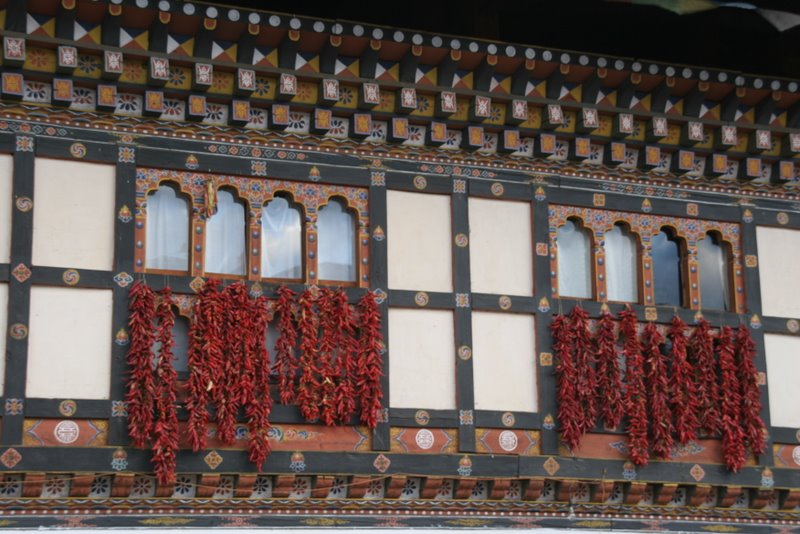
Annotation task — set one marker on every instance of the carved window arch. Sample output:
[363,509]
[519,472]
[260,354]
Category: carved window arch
[574,246]
[225,243]
[167,232]
[666,254]
[622,265]
[282,238]
[714,266]
[336,242]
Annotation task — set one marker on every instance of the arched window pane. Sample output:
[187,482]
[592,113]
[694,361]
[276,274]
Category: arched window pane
[225,249]
[622,281]
[666,270]
[336,241]
[167,231]
[574,262]
[713,260]
[281,240]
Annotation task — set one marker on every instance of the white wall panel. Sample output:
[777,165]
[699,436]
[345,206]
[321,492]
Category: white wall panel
[504,361]
[500,250]
[73,215]
[419,241]
[778,250]
[783,376]
[422,359]
[69,347]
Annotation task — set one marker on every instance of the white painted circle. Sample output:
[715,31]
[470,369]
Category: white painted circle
[507,440]
[188,9]
[565,58]
[492,49]
[511,51]
[141,3]
[687,72]
[294,23]
[233,15]
[337,29]
[424,439]
[416,39]
[530,53]
[636,66]
[66,432]
[377,33]
[319,26]
[619,64]
[739,80]
[583,60]
[399,36]
[775,85]
[670,71]
[437,41]
[547,55]
[758,83]
[274,20]
[473,47]
[602,62]
[212,12]
[653,68]
[722,76]
[704,75]
[796,455]
[163,5]
[792,86]
[358,30]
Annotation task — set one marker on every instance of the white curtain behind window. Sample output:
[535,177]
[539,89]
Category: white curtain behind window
[225,233]
[281,240]
[336,251]
[167,231]
[622,282]
[714,288]
[574,262]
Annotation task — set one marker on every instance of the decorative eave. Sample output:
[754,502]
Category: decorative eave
[256,69]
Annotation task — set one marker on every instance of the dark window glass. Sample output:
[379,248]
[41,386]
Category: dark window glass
[666,270]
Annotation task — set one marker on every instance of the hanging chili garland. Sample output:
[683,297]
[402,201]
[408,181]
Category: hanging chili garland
[752,424]
[733,438]
[569,410]
[347,359]
[685,405]
[258,401]
[635,395]
[609,381]
[141,392]
[586,385]
[661,427]
[329,343]
[205,359]
[227,391]
[370,363]
[165,431]
[701,346]
[285,359]
[308,393]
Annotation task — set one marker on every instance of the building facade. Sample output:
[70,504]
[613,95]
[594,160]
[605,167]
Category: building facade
[484,284]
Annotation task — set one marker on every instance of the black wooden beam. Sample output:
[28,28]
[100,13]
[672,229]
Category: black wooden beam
[408,66]
[729,106]
[693,102]
[446,69]
[111,25]
[287,51]
[65,22]
[328,55]
[764,109]
[369,59]
[16,16]
[659,96]
[554,84]
[484,73]
[625,92]
[520,78]
[590,88]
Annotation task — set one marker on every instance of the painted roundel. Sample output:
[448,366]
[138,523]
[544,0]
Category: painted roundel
[464,352]
[461,240]
[421,299]
[71,277]
[78,150]
[497,189]
[504,302]
[420,182]
[422,417]
[24,204]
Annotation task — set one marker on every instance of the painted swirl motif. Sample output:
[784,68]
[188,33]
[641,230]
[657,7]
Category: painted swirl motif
[18,331]
[497,189]
[421,299]
[464,352]
[508,419]
[504,302]
[71,277]
[422,417]
[420,182]
[68,408]
[461,240]
[24,204]
[78,150]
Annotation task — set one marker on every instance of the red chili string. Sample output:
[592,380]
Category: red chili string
[661,427]
[609,381]
[370,362]
[165,431]
[752,424]
[140,396]
[733,438]
[569,411]
[635,395]
[701,347]
[685,404]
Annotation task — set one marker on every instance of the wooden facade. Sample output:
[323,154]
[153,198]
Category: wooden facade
[150,91]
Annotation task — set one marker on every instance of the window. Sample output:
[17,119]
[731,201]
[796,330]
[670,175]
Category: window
[622,265]
[337,238]
[281,240]
[713,260]
[666,256]
[574,261]
[167,230]
[198,224]
[225,236]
